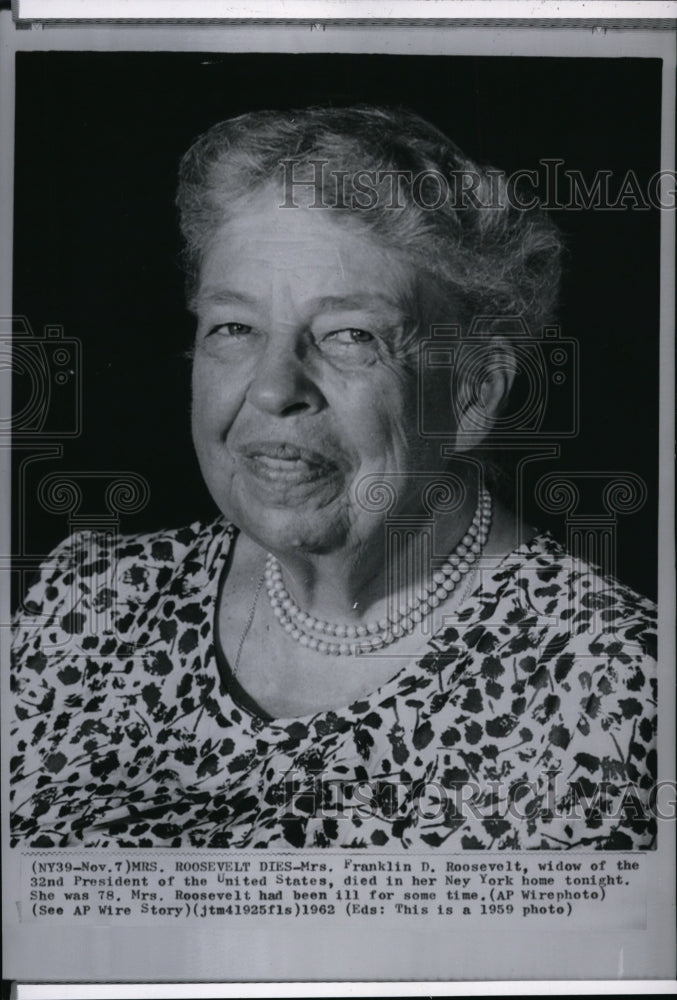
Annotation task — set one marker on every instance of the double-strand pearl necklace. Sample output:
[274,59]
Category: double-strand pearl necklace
[347,640]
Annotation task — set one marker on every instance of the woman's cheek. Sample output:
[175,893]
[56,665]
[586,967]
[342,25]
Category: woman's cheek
[215,395]
[376,424]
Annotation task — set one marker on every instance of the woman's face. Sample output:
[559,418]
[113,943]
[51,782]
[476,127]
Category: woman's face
[305,376]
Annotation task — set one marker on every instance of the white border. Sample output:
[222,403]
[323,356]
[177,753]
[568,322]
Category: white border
[252,991]
[320,10]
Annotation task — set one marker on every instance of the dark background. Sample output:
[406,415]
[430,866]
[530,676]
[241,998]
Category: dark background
[98,138]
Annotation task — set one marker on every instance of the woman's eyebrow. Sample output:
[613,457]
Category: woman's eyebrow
[214,293]
[360,300]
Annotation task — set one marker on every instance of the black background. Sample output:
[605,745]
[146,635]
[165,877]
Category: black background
[98,139]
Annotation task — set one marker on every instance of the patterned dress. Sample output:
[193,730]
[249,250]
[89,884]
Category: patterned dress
[527,721]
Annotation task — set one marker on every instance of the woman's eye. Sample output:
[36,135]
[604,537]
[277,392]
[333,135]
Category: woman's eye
[349,336]
[231,329]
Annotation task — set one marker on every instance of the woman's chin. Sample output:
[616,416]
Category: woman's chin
[295,531]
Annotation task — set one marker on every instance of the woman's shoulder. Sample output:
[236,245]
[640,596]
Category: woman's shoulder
[547,581]
[184,548]
[89,562]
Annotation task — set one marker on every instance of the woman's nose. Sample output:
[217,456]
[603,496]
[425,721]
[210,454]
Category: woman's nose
[283,384]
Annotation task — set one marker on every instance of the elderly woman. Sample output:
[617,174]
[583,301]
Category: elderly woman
[366,649]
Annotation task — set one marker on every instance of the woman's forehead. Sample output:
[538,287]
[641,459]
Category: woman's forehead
[310,248]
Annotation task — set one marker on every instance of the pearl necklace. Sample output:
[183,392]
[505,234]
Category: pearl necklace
[322,636]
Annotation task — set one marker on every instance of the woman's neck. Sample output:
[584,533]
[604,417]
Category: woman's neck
[365,580]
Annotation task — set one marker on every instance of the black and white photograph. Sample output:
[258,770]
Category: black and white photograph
[336,495]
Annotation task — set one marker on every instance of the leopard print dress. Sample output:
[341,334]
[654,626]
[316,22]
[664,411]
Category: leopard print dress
[526,723]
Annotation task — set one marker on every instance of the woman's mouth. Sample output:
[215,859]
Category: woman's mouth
[285,463]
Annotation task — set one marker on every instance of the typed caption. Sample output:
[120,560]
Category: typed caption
[121,889]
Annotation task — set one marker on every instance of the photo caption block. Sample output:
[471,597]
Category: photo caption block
[581,890]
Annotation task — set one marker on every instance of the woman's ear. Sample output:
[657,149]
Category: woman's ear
[484,378]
